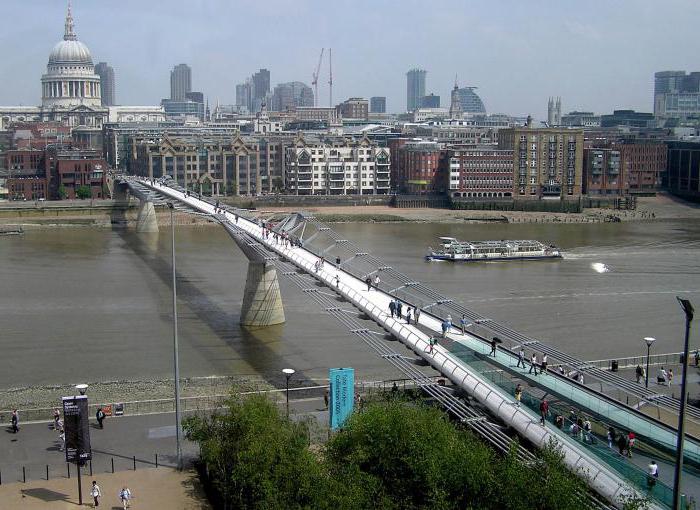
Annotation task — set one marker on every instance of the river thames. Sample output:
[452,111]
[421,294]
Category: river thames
[90,304]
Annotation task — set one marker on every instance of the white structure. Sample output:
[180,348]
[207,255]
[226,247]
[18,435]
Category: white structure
[424,114]
[337,167]
[136,114]
[71,90]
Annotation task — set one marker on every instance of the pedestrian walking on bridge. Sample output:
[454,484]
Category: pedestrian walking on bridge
[100,415]
[463,323]
[392,307]
[408,315]
[15,421]
[639,373]
[445,327]
[368,281]
[521,358]
[399,307]
[544,411]
[533,363]
[377,281]
[417,314]
[518,394]
[494,342]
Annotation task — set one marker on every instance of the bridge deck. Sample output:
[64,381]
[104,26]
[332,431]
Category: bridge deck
[606,478]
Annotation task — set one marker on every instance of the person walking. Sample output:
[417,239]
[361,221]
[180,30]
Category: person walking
[100,415]
[518,394]
[449,322]
[639,373]
[521,358]
[392,307]
[670,377]
[377,281]
[96,493]
[611,437]
[445,326]
[399,309]
[463,323]
[662,376]
[533,363]
[56,418]
[587,430]
[652,474]
[631,439]
[125,496]
[417,315]
[622,443]
[408,315]
[368,281]
[543,366]
[337,281]
[15,421]
[494,342]
[544,411]
[325,398]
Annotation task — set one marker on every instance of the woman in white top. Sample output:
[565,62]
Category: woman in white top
[95,492]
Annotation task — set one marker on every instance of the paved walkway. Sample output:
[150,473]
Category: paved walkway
[122,440]
[151,488]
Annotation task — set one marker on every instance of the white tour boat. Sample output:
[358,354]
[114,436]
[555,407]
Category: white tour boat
[468,251]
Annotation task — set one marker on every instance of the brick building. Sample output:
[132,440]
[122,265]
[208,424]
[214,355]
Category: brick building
[619,167]
[478,172]
[547,162]
[354,108]
[68,169]
[417,168]
[24,171]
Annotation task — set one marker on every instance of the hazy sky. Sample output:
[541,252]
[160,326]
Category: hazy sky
[596,55]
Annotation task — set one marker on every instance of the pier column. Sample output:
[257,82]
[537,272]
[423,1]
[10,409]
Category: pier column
[146,221]
[262,301]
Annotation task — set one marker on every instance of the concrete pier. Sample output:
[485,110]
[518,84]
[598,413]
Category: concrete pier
[146,220]
[262,301]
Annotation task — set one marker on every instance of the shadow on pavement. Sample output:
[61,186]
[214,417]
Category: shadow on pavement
[45,495]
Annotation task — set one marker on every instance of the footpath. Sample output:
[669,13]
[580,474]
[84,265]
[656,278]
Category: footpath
[162,488]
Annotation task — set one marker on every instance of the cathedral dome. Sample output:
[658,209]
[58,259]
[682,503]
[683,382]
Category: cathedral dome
[70,51]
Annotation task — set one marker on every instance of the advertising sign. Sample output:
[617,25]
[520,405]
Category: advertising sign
[342,395]
[75,425]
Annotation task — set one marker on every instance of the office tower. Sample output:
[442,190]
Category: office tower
[106,74]
[676,94]
[261,88]
[180,82]
[377,104]
[415,88]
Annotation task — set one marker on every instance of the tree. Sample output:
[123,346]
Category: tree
[83,192]
[255,457]
[62,193]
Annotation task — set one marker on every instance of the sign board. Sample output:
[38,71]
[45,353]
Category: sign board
[342,395]
[107,409]
[118,409]
[75,425]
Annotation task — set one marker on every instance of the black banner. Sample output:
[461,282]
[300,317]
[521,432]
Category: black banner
[76,427]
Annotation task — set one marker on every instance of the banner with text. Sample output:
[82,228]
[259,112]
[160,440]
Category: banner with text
[342,395]
[76,428]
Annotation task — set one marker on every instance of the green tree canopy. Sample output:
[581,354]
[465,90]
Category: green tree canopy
[83,192]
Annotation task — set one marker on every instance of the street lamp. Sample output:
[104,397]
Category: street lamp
[649,340]
[288,372]
[171,206]
[689,311]
[82,388]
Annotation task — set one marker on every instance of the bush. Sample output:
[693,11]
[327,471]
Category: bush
[392,455]
[83,192]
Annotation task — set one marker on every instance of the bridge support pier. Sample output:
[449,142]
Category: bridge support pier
[146,221]
[262,301]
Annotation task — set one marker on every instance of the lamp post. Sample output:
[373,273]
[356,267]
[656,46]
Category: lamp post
[171,206]
[649,340]
[689,311]
[288,372]
[82,389]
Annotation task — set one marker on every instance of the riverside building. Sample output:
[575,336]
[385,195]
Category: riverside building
[547,162]
[336,166]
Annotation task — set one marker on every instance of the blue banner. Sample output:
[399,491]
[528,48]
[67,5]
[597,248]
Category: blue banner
[342,395]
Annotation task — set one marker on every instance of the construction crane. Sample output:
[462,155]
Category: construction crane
[330,79]
[314,81]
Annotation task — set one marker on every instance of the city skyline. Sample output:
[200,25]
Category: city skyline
[502,56]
